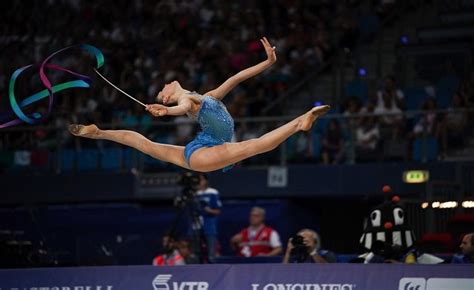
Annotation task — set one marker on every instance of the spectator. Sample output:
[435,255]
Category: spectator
[367,139]
[454,124]
[170,256]
[353,107]
[333,144]
[186,252]
[467,249]
[394,96]
[429,123]
[306,248]
[390,111]
[210,208]
[351,111]
[395,145]
[258,239]
[323,47]
[346,24]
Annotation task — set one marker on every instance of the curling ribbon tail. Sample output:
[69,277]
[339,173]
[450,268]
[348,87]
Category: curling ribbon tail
[83,81]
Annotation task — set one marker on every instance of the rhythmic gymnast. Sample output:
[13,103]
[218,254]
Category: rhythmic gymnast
[211,149]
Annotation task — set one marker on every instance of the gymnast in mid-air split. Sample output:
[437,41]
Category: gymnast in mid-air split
[212,148]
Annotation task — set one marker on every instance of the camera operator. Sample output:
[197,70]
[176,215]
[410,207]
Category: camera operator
[210,206]
[305,247]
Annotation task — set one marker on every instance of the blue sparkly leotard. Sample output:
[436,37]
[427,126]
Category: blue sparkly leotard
[217,127]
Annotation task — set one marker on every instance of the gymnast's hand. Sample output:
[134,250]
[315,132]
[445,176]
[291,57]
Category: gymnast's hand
[270,50]
[157,110]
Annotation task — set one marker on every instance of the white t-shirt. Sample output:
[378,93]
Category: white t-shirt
[398,94]
[363,135]
[390,119]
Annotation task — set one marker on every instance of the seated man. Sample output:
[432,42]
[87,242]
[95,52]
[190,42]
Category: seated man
[185,251]
[305,247]
[467,248]
[258,239]
[170,256]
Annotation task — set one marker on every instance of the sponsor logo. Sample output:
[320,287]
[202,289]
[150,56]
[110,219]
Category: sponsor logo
[409,283]
[162,282]
[301,286]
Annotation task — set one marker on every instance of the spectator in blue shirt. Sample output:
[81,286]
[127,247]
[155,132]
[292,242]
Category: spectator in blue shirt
[467,248]
[210,205]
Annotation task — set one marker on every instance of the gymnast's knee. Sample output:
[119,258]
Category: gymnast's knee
[145,145]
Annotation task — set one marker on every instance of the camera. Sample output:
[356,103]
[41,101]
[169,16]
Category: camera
[300,250]
[189,181]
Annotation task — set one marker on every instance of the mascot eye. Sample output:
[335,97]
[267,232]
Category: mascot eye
[375,217]
[398,216]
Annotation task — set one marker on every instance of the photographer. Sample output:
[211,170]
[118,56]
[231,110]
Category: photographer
[467,248]
[305,247]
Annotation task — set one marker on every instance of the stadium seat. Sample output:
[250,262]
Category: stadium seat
[316,143]
[357,88]
[369,25]
[111,159]
[445,88]
[129,156]
[41,159]
[415,97]
[87,159]
[68,158]
[437,242]
[431,148]
[6,159]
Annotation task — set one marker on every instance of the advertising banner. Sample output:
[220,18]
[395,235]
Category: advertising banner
[244,277]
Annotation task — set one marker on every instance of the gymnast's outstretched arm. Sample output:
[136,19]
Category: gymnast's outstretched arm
[234,80]
[159,110]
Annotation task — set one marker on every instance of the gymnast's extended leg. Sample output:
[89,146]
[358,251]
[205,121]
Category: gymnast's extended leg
[213,158]
[164,152]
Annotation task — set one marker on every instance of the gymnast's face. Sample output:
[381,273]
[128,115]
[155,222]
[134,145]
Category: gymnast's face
[168,94]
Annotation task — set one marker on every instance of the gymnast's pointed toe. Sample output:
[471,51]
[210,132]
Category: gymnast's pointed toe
[307,120]
[89,131]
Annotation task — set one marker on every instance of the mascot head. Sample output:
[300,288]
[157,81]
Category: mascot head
[387,225]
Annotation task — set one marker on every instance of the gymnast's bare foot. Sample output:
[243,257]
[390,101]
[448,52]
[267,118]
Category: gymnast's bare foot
[90,131]
[307,120]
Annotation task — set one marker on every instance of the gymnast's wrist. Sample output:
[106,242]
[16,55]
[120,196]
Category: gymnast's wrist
[270,62]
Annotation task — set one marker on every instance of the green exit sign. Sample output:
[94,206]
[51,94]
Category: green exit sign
[416,176]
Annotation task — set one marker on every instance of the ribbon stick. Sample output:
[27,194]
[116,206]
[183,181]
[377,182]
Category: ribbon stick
[83,81]
[118,89]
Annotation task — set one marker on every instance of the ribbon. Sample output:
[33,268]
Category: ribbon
[83,81]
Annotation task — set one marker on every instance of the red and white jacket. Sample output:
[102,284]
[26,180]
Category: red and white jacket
[262,242]
[173,259]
